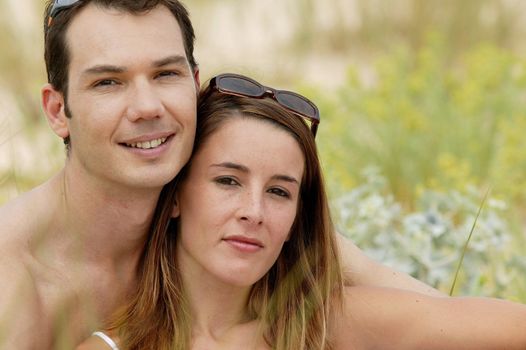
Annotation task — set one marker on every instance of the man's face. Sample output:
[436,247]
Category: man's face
[132,97]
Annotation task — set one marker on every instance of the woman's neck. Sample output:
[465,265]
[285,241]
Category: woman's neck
[216,307]
[220,318]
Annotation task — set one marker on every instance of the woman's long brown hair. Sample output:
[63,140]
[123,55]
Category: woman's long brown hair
[292,300]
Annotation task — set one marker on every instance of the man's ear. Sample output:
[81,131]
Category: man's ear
[54,109]
[197,80]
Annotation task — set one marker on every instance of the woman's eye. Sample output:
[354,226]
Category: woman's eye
[226,181]
[279,192]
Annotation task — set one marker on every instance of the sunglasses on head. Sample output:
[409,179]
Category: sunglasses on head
[239,85]
[59,5]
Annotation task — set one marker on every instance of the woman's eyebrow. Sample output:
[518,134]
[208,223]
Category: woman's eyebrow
[244,169]
[286,178]
[230,165]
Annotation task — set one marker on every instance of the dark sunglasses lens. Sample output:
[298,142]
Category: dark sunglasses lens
[240,86]
[297,104]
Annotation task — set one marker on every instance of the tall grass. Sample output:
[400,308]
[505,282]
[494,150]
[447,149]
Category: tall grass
[466,245]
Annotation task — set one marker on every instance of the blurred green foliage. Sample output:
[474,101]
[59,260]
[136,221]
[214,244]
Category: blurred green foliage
[439,131]
[427,241]
[427,122]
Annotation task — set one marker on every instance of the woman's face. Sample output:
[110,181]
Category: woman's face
[238,202]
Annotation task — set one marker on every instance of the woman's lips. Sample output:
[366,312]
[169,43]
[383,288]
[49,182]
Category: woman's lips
[244,244]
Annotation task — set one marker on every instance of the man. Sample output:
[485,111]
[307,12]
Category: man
[122,94]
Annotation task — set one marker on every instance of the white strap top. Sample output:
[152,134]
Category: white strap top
[106,339]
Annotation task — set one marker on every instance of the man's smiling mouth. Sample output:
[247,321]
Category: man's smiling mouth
[147,144]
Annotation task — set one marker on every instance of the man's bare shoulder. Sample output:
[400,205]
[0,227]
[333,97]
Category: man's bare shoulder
[15,233]
[21,311]
[13,224]
[20,220]
[25,216]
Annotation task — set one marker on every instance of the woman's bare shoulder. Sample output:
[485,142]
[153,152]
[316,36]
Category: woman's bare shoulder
[93,343]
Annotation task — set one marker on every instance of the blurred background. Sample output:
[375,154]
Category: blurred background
[423,118]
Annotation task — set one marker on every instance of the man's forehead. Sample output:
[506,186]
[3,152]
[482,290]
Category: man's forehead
[99,31]
[95,18]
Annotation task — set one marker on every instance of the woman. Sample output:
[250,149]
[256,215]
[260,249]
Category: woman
[250,262]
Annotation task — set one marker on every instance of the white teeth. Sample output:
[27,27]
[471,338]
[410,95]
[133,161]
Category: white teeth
[147,144]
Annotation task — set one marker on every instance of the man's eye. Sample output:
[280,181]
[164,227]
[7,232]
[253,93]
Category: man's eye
[168,73]
[105,82]
[279,192]
[226,181]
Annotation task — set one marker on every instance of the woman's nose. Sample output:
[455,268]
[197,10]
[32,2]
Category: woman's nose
[252,208]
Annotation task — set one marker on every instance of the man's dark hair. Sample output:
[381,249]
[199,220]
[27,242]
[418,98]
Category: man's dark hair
[57,55]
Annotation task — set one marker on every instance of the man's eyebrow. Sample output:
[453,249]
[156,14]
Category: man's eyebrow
[108,68]
[103,68]
[176,59]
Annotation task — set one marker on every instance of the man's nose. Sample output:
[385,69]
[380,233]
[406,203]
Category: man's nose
[144,102]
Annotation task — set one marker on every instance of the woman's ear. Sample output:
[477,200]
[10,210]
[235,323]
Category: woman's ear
[54,109]
[176,211]
[197,80]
